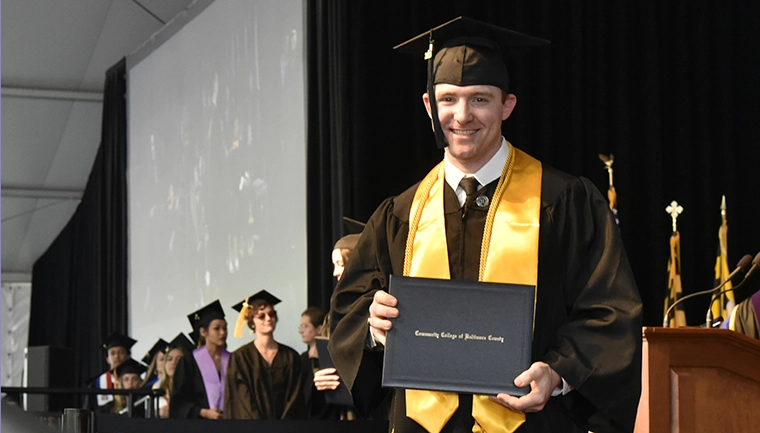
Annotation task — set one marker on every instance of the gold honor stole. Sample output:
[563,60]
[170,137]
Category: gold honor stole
[509,254]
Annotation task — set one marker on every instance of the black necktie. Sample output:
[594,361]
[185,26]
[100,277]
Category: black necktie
[470,185]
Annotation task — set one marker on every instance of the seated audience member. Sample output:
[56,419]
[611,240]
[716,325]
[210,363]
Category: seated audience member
[264,378]
[117,352]
[198,386]
[154,359]
[175,350]
[129,375]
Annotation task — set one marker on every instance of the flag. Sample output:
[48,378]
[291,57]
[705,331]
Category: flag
[612,196]
[677,316]
[725,303]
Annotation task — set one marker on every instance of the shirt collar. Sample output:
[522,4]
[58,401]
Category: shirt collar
[487,174]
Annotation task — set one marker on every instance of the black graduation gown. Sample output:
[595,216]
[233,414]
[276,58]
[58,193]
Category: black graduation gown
[588,310]
[257,390]
[316,404]
[188,391]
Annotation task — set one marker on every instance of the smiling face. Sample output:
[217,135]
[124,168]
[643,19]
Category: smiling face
[263,319]
[471,118]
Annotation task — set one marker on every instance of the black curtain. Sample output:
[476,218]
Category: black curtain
[79,285]
[669,88]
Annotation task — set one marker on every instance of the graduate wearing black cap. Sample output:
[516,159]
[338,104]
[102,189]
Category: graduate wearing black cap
[174,351]
[345,245]
[154,358]
[198,386]
[491,212]
[117,347]
[264,379]
[129,374]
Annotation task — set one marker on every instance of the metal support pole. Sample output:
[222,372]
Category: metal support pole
[76,421]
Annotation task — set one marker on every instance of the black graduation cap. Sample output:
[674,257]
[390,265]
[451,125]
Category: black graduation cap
[119,340]
[467,52]
[244,305]
[130,366]
[195,336]
[203,317]
[160,346]
[182,341]
[353,229]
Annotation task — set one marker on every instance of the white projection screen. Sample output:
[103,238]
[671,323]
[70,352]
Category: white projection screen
[217,168]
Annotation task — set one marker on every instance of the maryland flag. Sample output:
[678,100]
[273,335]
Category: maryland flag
[677,316]
[725,303]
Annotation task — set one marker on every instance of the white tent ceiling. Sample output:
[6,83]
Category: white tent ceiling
[54,58]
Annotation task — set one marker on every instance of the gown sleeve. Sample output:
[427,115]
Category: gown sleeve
[187,386]
[588,317]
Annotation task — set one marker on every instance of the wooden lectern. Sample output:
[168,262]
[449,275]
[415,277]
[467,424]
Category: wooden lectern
[699,380]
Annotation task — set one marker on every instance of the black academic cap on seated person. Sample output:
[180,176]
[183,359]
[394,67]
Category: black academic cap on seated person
[160,346]
[203,317]
[182,341]
[130,366]
[119,340]
[353,229]
[466,52]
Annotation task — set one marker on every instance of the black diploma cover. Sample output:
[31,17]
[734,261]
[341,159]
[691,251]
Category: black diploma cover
[339,396]
[462,336]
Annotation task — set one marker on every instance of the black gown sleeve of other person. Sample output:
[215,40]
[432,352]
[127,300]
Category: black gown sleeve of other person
[257,390]
[188,391]
[588,309]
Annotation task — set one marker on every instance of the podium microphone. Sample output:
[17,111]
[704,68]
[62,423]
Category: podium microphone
[742,265]
[755,265]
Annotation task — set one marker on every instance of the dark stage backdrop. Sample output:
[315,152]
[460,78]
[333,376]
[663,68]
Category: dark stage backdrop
[670,88]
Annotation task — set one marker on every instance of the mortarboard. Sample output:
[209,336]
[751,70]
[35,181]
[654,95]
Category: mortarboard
[203,317]
[182,341]
[160,346]
[244,305]
[194,335]
[130,366]
[353,229]
[467,52]
[119,340]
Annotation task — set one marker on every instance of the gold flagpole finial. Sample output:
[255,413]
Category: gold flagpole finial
[723,209]
[674,210]
[608,160]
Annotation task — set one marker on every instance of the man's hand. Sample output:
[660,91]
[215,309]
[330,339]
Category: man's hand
[542,379]
[326,378]
[383,308]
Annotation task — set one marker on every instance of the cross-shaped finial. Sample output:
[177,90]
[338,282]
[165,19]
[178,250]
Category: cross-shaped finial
[674,210]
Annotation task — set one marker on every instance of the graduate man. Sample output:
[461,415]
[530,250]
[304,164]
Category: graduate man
[491,212]
[117,348]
